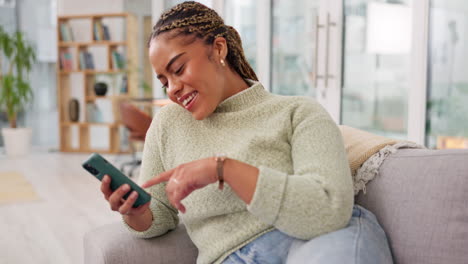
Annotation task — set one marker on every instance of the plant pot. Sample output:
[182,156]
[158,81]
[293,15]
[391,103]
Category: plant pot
[100,88]
[17,141]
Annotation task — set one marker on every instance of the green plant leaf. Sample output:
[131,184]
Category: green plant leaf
[15,90]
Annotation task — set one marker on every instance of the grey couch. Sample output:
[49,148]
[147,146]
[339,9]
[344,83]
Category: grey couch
[420,198]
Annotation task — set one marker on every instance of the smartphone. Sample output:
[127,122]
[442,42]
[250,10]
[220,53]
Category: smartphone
[99,166]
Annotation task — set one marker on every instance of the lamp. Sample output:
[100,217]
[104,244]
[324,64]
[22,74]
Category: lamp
[388,28]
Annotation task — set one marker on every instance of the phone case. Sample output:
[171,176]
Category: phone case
[98,167]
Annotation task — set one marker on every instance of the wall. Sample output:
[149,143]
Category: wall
[8,18]
[70,7]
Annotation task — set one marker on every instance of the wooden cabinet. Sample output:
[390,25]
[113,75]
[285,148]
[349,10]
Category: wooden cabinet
[97,48]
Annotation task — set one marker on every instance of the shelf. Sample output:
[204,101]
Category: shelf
[151,102]
[91,16]
[86,124]
[90,72]
[75,81]
[66,44]
[93,98]
[101,151]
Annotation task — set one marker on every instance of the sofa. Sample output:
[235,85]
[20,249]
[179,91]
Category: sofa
[420,197]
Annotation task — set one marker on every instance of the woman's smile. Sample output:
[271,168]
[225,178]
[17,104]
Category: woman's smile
[188,100]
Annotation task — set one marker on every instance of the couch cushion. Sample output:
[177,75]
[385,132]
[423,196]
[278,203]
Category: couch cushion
[420,197]
[113,243]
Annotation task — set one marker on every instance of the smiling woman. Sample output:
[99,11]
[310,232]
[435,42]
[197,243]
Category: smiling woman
[183,46]
[288,193]
[188,70]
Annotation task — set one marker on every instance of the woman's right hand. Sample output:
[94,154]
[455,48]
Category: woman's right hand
[118,203]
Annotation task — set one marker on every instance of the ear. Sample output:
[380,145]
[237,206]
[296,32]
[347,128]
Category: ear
[220,48]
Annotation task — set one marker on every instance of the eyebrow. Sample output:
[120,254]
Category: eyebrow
[170,63]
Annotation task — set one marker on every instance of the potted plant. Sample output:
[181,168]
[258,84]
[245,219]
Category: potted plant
[16,59]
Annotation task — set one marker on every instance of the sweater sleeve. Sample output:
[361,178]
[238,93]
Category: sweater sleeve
[317,197]
[164,214]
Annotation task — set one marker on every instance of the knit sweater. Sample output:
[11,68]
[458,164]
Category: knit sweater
[304,186]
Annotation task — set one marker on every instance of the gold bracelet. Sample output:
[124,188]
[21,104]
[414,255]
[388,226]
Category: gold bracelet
[220,158]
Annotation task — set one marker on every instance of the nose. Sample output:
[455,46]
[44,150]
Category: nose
[174,87]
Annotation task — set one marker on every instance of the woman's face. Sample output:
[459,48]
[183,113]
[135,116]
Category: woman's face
[192,73]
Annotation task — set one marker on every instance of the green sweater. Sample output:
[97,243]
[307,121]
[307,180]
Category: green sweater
[304,185]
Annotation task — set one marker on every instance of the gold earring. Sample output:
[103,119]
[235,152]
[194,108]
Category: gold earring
[222,62]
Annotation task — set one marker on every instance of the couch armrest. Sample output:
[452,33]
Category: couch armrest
[419,198]
[113,243]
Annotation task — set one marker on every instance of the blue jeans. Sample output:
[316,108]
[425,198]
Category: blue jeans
[362,241]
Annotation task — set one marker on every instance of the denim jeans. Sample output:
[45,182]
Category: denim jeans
[362,241]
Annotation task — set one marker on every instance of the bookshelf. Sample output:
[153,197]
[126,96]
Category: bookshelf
[94,48]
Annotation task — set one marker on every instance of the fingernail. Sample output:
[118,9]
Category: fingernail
[134,194]
[126,187]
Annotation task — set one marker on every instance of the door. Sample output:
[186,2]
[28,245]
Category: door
[377,58]
[306,50]
[242,16]
[447,87]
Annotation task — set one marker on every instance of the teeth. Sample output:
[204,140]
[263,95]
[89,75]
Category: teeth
[188,99]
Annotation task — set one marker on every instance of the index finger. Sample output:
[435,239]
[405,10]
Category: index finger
[105,186]
[165,176]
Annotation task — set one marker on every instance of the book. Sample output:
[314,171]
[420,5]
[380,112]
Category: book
[89,62]
[62,61]
[66,33]
[63,32]
[86,60]
[124,87]
[98,30]
[82,61]
[121,61]
[118,62]
[70,33]
[95,31]
[66,62]
[106,32]
[115,65]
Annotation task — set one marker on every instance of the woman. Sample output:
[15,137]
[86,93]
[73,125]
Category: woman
[282,190]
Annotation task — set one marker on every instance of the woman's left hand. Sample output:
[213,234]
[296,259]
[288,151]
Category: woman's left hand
[184,179]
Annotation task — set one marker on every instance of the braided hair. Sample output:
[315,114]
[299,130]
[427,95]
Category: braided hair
[194,19]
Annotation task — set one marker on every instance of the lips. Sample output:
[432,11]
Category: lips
[187,99]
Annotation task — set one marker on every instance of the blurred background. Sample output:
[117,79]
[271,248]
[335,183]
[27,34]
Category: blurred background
[391,67]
